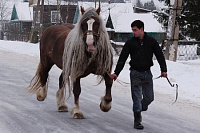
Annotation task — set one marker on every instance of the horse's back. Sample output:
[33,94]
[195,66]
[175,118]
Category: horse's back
[68,25]
[52,43]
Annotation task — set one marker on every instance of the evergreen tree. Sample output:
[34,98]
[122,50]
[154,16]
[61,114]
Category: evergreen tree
[190,18]
[139,4]
[150,5]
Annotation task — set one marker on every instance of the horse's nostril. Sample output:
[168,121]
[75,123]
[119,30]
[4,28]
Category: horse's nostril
[90,48]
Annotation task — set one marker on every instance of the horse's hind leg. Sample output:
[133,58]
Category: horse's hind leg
[60,95]
[76,111]
[105,104]
[43,73]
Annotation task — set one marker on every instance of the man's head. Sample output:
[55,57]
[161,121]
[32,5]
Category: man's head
[138,28]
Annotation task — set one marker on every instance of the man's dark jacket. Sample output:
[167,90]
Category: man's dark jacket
[141,53]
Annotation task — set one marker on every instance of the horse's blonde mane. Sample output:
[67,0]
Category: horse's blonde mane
[75,60]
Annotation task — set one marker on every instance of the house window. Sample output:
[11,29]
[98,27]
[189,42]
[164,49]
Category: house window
[6,26]
[55,16]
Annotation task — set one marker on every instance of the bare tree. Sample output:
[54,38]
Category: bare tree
[4,11]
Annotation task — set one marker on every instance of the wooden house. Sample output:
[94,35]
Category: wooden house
[120,26]
[57,15]
[19,26]
[106,8]
[118,18]
[19,23]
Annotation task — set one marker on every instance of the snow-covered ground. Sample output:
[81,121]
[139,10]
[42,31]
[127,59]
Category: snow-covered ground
[23,57]
[184,73]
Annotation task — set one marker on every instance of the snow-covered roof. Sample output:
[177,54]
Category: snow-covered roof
[122,16]
[114,8]
[122,22]
[24,12]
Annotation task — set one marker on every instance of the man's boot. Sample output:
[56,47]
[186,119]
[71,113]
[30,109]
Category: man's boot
[138,120]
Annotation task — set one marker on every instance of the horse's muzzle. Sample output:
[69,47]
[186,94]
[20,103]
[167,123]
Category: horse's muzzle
[90,43]
[90,48]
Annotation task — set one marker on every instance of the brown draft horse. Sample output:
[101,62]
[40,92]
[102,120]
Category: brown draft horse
[79,51]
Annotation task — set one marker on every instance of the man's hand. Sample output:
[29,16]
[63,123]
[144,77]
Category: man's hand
[113,76]
[163,74]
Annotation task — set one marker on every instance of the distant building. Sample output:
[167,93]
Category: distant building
[117,19]
[120,26]
[106,8]
[19,26]
[20,22]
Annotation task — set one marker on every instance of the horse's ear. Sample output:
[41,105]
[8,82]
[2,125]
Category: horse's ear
[98,10]
[82,10]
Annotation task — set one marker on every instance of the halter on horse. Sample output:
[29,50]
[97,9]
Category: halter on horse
[78,51]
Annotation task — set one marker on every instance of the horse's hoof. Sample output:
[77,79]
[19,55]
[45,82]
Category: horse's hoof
[78,116]
[63,109]
[105,105]
[77,113]
[39,98]
[105,108]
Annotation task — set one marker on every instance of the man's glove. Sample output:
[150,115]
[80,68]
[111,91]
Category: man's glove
[113,76]
[163,74]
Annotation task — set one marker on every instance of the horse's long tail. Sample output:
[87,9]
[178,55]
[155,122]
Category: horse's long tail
[36,80]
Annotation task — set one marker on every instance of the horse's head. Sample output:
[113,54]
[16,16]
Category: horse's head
[90,27]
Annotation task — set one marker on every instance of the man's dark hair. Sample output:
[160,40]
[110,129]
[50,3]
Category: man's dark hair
[138,23]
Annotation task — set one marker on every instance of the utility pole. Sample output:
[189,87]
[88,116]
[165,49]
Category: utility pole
[66,18]
[58,11]
[34,21]
[95,2]
[173,32]
[99,3]
[41,19]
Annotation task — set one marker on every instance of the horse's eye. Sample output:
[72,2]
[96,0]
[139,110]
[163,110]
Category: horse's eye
[96,24]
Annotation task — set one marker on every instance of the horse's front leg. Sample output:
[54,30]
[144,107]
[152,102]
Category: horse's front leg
[76,111]
[105,104]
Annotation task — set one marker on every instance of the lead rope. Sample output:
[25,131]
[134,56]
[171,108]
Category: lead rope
[172,85]
[120,82]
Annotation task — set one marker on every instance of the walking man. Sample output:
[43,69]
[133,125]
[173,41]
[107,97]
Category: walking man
[141,48]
